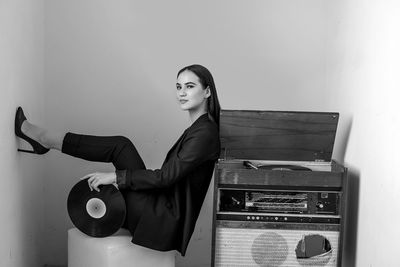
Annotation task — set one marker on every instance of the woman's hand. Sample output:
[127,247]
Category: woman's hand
[100,178]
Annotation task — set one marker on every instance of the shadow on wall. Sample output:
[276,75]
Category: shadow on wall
[352,201]
[345,136]
[351,221]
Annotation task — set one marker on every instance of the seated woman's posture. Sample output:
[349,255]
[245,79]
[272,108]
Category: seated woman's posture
[162,204]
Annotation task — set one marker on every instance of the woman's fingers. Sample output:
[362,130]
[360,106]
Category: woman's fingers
[90,182]
[87,176]
[90,178]
[93,182]
[95,185]
[96,179]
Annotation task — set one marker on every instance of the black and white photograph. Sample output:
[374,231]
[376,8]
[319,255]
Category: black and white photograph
[228,133]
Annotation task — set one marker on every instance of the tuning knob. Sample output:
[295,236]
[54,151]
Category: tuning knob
[320,205]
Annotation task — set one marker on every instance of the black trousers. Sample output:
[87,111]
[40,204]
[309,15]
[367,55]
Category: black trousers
[117,150]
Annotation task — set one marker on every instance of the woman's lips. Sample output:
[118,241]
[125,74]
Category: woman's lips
[182,101]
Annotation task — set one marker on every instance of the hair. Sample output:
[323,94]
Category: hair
[207,80]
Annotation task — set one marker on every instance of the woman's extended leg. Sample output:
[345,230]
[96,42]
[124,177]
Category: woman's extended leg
[118,150]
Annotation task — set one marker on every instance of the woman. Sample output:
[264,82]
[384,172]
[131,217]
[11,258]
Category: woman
[162,204]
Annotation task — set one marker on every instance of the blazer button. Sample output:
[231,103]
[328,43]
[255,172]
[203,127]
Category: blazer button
[168,205]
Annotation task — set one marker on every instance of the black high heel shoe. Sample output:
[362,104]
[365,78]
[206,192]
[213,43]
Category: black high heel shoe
[37,147]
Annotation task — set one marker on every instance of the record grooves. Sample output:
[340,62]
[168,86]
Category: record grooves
[276,167]
[284,167]
[97,214]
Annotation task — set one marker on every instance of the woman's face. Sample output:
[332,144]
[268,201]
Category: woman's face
[191,94]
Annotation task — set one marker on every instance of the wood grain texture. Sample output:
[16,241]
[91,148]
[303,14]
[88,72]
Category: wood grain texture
[277,135]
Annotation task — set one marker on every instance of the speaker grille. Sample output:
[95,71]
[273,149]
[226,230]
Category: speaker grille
[270,247]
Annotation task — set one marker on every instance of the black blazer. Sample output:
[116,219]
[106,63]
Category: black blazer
[175,193]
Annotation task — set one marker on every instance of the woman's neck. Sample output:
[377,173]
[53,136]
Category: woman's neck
[194,115]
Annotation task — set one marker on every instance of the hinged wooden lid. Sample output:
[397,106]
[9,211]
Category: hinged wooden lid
[277,135]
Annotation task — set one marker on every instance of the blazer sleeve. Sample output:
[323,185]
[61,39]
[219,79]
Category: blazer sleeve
[198,146]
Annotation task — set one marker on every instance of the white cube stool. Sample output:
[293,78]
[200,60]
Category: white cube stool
[113,251]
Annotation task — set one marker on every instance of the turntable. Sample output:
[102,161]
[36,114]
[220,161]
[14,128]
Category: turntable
[279,198]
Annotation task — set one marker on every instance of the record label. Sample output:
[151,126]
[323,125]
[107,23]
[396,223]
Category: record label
[96,208]
[97,214]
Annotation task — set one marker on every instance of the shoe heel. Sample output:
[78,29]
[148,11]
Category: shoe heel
[37,147]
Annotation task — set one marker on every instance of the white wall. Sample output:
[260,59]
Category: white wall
[363,80]
[21,83]
[111,67]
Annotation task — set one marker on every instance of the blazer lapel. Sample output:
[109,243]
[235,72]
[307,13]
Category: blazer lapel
[176,143]
[199,120]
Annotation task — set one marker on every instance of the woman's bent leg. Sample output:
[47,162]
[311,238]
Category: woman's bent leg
[122,153]
[118,150]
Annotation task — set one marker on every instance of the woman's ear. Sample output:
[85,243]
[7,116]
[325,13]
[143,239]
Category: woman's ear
[208,92]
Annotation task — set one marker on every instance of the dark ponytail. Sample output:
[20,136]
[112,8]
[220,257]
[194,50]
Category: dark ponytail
[206,79]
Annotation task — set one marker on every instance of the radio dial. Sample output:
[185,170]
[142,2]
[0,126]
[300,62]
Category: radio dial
[320,205]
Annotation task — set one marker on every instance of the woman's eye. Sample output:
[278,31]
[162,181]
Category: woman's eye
[190,86]
[178,87]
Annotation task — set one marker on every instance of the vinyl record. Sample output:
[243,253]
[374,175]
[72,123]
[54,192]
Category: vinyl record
[97,214]
[284,167]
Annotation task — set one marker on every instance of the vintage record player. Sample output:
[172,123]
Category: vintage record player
[279,198]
